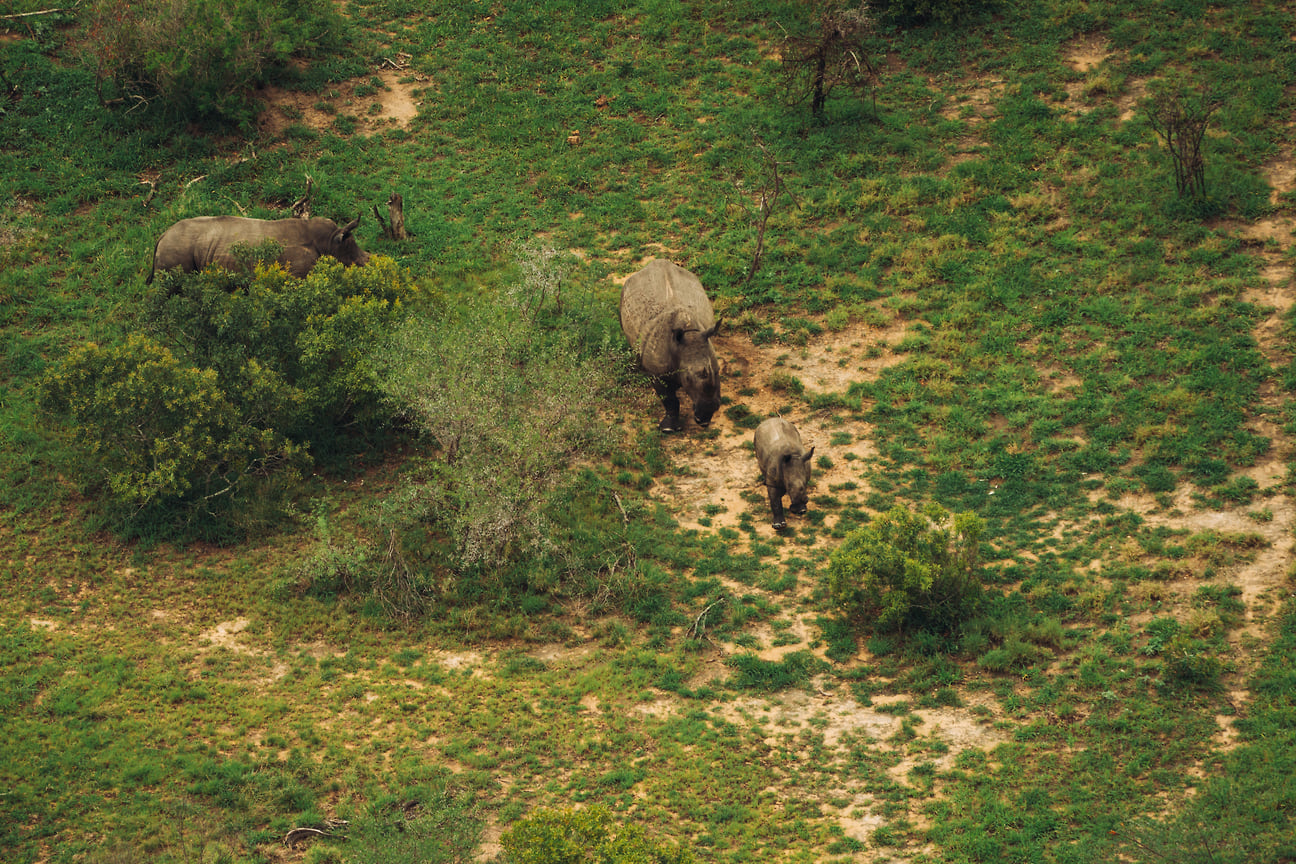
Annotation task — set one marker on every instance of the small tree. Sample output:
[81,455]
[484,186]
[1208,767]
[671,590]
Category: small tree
[832,54]
[907,569]
[1180,116]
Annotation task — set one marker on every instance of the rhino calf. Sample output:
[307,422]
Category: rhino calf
[786,466]
[668,321]
[192,244]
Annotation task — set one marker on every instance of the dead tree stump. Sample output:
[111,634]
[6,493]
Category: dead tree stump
[301,207]
[396,214]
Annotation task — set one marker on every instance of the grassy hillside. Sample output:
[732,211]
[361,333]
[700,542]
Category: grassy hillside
[979,288]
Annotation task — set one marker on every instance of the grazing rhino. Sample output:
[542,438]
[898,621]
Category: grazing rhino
[669,322]
[786,466]
[192,244]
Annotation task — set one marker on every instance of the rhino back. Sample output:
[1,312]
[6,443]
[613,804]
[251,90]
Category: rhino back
[192,244]
[776,438]
[653,300]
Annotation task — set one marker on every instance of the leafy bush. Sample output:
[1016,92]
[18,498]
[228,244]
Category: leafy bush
[159,432]
[260,367]
[321,334]
[907,569]
[585,837]
[200,59]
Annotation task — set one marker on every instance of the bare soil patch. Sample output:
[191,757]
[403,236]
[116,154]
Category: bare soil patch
[718,478]
[387,99]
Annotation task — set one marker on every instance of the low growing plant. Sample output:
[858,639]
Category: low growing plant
[587,836]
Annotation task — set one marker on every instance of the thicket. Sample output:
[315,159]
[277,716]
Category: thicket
[507,406]
[200,60]
[215,408]
[908,569]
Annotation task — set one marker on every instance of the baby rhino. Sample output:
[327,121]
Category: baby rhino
[786,466]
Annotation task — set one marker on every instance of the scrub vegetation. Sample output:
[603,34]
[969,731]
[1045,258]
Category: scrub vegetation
[393,564]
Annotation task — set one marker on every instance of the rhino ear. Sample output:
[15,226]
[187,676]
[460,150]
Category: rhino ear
[808,454]
[707,334]
[350,226]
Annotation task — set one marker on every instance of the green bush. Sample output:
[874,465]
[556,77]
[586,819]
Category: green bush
[200,59]
[586,836]
[510,405]
[907,569]
[321,334]
[238,378]
[156,431]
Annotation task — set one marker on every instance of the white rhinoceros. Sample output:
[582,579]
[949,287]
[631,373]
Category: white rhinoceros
[192,244]
[786,466]
[669,322]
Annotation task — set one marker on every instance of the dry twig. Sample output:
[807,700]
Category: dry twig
[698,630]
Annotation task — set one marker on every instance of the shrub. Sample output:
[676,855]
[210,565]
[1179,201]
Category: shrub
[586,836]
[200,59]
[907,569]
[159,432]
[238,378]
[510,405]
[321,334]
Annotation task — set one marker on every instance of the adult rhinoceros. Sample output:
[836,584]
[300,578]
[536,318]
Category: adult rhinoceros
[669,321]
[786,466]
[192,244]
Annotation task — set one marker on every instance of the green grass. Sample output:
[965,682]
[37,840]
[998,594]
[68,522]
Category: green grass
[1067,337]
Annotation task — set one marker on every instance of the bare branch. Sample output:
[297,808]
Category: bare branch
[17,15]
[698,630]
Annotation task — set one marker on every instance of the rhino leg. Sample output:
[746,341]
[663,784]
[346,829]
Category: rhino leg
[776,507]
[670,401]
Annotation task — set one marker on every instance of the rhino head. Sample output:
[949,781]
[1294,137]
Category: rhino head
[796,479]
[690,352]
[699,372]
[342,245]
